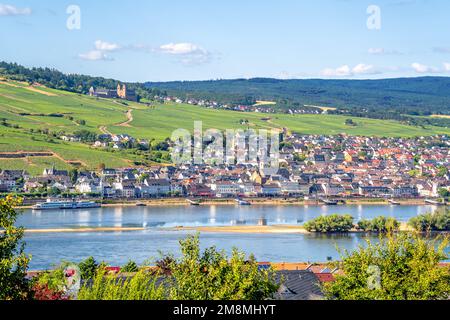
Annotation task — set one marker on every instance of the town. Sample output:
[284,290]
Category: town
[310,166]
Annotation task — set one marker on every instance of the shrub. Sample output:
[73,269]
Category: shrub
[400,267]
[130,266]
[211,275]
[433,221]
[13,260]
[88,268]
[379,224]
[333,223]
[142,286]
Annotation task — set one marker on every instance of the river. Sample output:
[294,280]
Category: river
[116,248]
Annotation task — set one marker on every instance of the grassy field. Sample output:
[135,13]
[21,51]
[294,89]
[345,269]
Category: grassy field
[32,108]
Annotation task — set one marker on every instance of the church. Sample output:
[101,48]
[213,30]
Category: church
[122,92]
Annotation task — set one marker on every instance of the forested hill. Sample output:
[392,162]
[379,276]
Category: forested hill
[413,96]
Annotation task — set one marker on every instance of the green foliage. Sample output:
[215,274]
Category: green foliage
[332,223]
[379,224]
[211,275]
[396,97]
[141,286]
[55,279]
[400,267]
[444,193]
[88,268]
[13,260]
[433,221]
[300,157]
[130,266]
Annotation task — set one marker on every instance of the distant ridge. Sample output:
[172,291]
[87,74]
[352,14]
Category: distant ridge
[415,96]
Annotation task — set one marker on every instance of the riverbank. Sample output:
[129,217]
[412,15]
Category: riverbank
[175,202]
[277,229]
[83,230]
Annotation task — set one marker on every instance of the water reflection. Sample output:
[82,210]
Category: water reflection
[118,247]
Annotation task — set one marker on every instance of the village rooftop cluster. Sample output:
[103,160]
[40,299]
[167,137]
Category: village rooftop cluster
[310,165]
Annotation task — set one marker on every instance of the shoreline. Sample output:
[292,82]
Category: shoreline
[177,202]
[274,229]
[83,230]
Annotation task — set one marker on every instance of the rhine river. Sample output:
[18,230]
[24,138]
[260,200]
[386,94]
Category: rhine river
[116,248]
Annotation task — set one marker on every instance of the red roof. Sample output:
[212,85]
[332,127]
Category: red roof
[325,277]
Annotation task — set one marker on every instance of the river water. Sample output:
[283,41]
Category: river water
[116,248]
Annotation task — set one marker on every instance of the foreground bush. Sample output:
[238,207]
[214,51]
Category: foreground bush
[433,221]
[141,286]
[211,275]
[333,223]
[399,267]
[13,260]
[196,275]
[379,224]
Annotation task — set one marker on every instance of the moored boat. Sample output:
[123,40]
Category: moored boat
[242,202]
[434,202]
[330,202]
[193,202]
[62,205]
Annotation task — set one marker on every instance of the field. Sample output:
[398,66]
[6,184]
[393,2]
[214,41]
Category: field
[442,116]
[26,108]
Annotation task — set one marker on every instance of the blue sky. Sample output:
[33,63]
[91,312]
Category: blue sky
[161,40]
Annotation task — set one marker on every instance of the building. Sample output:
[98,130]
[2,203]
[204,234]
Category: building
[124,93]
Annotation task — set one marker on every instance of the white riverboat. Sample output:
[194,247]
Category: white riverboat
[62,205]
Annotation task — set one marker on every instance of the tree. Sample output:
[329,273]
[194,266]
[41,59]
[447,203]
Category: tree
[101,167]
[399,267]
[13,260]
[379,224]
[211,275]
[130,266]
[444,193]
[73,175]
[433,221]
[333,223]
[88,268]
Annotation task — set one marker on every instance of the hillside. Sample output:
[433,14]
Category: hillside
[34,117]
[414,96]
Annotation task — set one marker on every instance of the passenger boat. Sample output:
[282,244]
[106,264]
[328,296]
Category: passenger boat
[434,202]
[193,202]
[242,202]
[394,203]
[141,204]
[62,205]
[330,202]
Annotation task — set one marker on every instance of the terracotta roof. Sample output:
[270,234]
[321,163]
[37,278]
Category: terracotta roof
[325,277]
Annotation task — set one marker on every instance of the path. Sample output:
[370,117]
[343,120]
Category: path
[129,119]
[104,130]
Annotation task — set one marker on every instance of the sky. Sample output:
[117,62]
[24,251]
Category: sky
[165,40]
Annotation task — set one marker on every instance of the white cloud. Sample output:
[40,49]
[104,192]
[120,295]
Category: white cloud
[180,48]
[99,53]
[106,46]
[94,55]
[421,68]
[187,53]
[447,66]
[363,69]
[338,72]
[347,71]
[9,10]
